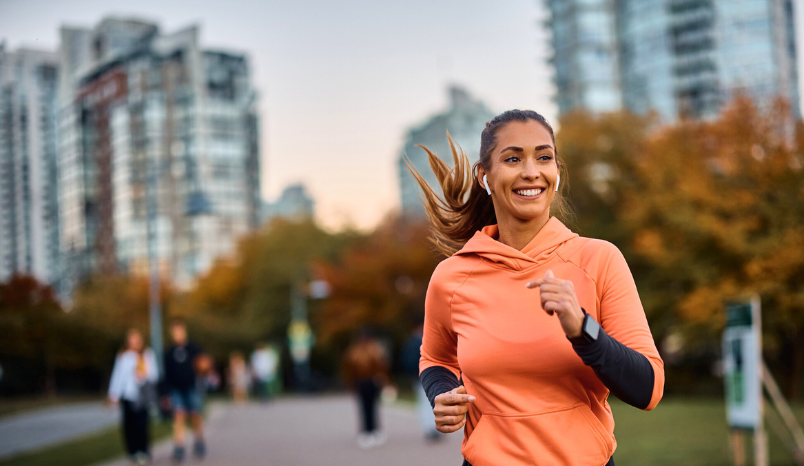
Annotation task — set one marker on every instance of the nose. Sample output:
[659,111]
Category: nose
[530,170]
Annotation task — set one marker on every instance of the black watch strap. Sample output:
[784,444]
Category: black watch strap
[590,330]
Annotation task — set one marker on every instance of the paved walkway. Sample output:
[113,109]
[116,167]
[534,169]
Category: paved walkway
[46,426]
[312,432]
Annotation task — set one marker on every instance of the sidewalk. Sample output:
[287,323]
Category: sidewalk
[47,426]
[311,432]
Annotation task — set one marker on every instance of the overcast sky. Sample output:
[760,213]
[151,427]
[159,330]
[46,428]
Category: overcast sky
[340,81]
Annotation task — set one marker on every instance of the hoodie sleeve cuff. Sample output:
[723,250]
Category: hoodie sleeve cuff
[437,380]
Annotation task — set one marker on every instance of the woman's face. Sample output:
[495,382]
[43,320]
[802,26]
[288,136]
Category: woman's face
[134,341]
[523,172]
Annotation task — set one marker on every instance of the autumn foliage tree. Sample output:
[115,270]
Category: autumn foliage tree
[246,298]
[104,308]
[705,211]
[380,281]
[719,215]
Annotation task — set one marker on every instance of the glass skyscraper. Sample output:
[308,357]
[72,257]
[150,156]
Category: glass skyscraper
[585,55]
[143,112]
[680,58]
[29,223]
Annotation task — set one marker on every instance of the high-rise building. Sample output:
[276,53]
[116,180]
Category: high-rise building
[142,113]
[464,119]
[294,203]
[585,55]
[29,226]
[680,58]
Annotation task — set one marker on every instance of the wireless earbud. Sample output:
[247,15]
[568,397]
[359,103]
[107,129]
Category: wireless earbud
[558,180]
[485,182]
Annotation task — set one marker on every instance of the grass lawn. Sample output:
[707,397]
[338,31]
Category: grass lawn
[14,406]
[689,432]
[100,446]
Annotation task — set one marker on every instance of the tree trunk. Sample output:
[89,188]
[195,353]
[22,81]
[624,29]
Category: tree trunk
[794,386]
[50,378]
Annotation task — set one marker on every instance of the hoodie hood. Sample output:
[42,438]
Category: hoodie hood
[540,249]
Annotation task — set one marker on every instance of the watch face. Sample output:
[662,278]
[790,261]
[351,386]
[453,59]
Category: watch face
[591,328]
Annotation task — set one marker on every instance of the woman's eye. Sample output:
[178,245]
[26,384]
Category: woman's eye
[546,157]
[512,159]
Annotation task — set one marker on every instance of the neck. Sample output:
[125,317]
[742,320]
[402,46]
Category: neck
[517,233]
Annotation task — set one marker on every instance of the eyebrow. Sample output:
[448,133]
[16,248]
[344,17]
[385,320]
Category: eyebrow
[519,149]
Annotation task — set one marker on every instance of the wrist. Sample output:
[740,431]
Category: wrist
[576,330]
[588,332]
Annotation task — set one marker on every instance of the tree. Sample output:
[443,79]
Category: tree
[719,215]
[30,321]
[379,282]
[704,212]
[104,309]
[246,298]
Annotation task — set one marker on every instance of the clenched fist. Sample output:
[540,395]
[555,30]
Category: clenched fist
[558,297]
[450,409]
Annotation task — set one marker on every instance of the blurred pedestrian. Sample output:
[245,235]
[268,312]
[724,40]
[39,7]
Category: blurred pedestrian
[264,367]
[539,323]
[206,378]
[239,377]
[133,387]
[409,362]
[365,370]
[183,360]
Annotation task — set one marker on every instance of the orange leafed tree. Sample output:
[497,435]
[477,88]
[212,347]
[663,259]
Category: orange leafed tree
[380,282]
[705,212]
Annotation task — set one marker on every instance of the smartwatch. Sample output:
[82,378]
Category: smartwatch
[590,329]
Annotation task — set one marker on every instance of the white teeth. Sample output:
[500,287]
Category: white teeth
[529,192]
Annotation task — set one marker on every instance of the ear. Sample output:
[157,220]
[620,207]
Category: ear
[480,173]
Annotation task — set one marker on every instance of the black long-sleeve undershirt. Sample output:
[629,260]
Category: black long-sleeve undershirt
[626,373]
[437,380]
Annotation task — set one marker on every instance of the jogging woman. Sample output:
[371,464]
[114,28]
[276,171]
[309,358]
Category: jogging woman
[538,323]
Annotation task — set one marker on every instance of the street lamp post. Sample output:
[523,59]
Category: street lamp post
[155,306]
[300,336]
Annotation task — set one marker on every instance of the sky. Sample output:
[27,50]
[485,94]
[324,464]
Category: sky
[340,82]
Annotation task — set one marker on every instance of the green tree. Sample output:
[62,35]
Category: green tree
[246,298]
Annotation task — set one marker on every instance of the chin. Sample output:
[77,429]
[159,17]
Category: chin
[529,216]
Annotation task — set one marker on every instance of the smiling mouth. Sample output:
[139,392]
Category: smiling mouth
[529,192]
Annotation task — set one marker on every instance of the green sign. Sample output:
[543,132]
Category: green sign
[742,364]
[739,315]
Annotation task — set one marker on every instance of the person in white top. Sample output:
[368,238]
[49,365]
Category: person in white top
[133,386]
[264,366]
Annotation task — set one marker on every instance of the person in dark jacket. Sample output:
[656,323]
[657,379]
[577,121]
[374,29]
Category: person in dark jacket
[184,393]
[365,369]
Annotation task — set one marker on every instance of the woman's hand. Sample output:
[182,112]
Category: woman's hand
[558,297]
[450,409]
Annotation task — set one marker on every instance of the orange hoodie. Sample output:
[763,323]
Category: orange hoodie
[535,400]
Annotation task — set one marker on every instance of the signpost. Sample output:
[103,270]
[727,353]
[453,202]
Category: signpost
[300,336]
[742,374]
[745,374]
